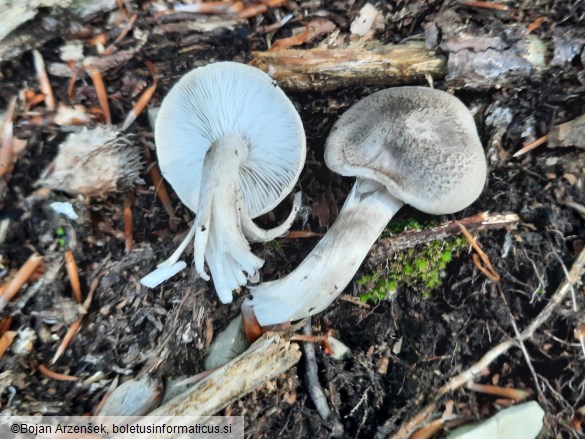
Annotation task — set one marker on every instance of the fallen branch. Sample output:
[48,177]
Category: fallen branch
[412,238]
[372,64]
[264,360]
[417,421]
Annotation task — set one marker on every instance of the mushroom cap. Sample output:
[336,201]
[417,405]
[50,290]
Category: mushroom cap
[421,143]
[236,100]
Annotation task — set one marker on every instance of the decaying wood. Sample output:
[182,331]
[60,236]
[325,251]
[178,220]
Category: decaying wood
[417,421]
[412,238]
[372,64]
[264,360]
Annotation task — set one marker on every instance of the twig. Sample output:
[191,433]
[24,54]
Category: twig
[55,375]
[264,360]
[505,392]
[46,88]
[73,272]
[530,146]
[100,89]
[76,324]
[314,387]
[163,195]
[488,270]
[354,300]
[484,5]
[22,276]
[128,222]
[6,341]
[580,336]
[535,25]
[412,238]
[143,100]
[7,139]
[469,374]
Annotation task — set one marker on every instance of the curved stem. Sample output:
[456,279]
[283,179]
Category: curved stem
[329,268]
[257,234]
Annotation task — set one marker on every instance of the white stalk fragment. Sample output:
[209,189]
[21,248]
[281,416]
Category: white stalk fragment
[327,270]
[232,146]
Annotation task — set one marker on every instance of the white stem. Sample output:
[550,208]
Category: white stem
[329,268]
[257,234]
[218,235]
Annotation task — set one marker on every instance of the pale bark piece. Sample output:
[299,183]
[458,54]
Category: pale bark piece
[520,421]
[570,133]
[372,64]
[263,361]
[135,397]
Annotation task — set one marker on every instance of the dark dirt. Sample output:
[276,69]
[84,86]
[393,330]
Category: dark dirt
[130,330]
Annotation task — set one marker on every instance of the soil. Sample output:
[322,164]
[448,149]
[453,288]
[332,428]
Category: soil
[402,348]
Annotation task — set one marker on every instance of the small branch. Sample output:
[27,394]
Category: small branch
[73,272]
[314,387]
[326,69]
[128,222]
[264,360]
[469,374]
[22,276]
[412,238]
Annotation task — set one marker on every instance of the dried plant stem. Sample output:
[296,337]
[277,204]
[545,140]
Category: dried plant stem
[414,423]
[7,139]
[22,276]
[73,272]
[504,392]
[163,195]
[100,89]
[143,100]
[128,222]
[6,341]
[488,270]
[55,375]
[76,324]
[44,80]
[484,5]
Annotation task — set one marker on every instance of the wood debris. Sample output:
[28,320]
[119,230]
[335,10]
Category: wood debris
[264,360]
[372,64]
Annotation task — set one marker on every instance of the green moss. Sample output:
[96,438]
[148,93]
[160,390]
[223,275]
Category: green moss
[60,236]
[421,268]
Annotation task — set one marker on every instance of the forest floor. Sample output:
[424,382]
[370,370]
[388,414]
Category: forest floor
[410,337]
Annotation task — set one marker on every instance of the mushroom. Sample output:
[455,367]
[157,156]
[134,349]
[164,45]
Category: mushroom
[232,146]
[407,145]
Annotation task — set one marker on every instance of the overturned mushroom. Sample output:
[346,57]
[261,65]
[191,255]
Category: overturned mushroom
[410,145]
[232,146]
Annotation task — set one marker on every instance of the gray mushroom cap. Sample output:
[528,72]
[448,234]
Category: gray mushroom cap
[231,99]
[420,143]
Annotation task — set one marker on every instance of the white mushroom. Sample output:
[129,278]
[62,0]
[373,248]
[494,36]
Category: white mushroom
[232,146]
[410,145]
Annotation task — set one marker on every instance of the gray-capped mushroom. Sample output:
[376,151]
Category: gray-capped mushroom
[412,145]
[232,146]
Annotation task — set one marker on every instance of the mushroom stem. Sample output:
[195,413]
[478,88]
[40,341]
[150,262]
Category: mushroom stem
[366,212]
[218,233]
